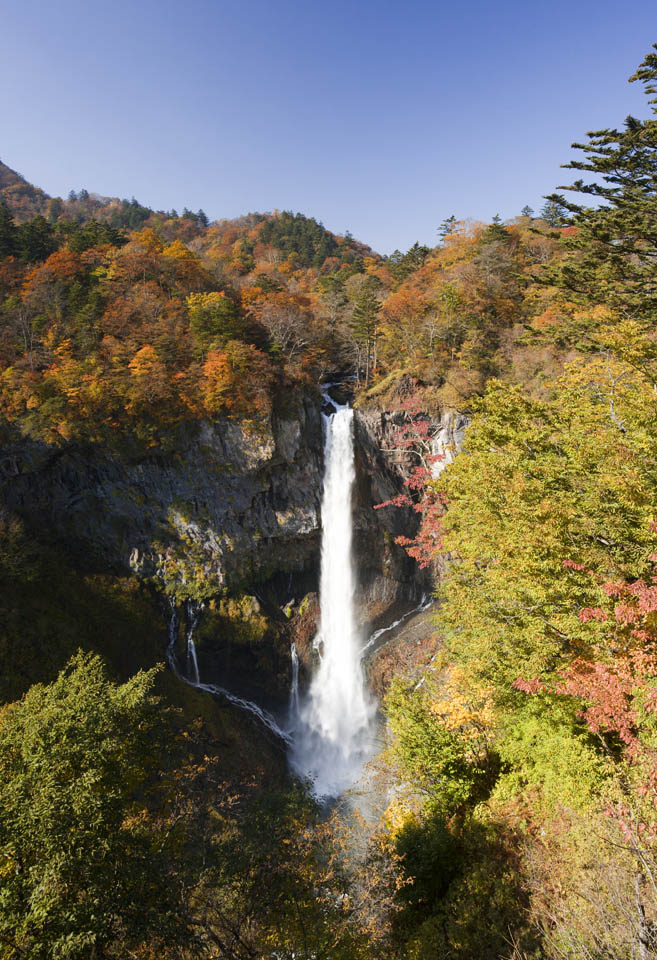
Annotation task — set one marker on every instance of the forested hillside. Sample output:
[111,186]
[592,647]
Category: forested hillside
[521,772]
[528,751]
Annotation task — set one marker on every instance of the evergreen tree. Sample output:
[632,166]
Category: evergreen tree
[615,244]
[36,240]
[364,326]
[554,212]
[446,227]
[495,231]
[8,232]
[402,265]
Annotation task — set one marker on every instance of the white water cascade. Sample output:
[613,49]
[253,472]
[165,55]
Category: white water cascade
[261,715]
[294,686]
[332,738]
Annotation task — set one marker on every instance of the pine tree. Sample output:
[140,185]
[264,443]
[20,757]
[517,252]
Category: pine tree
[36,239]
[495,231]
[446,227]
[554,213]
[364,325]
[8,232]
[615,244]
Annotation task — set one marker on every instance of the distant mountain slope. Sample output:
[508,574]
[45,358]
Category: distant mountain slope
[23,199]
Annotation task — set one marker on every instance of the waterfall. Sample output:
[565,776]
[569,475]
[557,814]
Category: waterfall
[263,716]
[333,734]
[294,686]
[193,613]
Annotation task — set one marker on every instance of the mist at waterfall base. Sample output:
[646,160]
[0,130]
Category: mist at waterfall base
[334,725]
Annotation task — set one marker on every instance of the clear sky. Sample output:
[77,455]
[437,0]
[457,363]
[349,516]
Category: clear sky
[373,116]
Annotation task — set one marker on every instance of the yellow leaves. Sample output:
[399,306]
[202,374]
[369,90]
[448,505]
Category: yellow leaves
[237,380]
[149,239]
[143,361]
[204,301]
[217,381]
[463,704]
[402,812]
[150,381]
[178,251]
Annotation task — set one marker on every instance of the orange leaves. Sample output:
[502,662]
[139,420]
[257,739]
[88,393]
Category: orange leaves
[150,239]
[405,305]
[61,265]
[149,378]
[237,380]
[218,382]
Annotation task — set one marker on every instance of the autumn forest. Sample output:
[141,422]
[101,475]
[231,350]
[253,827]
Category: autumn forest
[171,363]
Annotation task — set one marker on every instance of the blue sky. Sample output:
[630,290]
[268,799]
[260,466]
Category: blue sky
[380,118]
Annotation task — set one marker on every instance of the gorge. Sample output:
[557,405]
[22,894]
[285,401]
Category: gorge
[329,727]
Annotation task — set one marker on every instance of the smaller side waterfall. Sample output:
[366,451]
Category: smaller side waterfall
[424,604]
[294,686]
[263,716]
[193,614]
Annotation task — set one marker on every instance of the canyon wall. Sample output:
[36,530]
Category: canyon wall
[229,509]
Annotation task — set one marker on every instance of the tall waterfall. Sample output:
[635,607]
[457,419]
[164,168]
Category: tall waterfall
[333,734]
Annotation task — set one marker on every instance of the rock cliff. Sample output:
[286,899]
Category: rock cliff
[228,509]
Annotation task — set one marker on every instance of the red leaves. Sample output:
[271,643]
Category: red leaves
[416,437]
[533,685]
[592,613]
[609,691]
[571,565]
[616,686]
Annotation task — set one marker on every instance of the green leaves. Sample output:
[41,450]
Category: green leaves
[81,856]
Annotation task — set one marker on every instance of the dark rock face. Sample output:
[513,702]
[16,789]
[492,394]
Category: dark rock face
[230,508]
[385,571]
[245,501]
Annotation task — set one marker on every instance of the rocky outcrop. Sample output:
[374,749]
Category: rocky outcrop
[230,508]
[387,573]
[230,504]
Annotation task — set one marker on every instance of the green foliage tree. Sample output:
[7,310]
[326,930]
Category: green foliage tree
[446,227]
[213,320]
[495,231]
[83,870]
[92,234]
[365,325]
[403,265]
[613,246]
[8,232]
[36,240]
[303,236]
